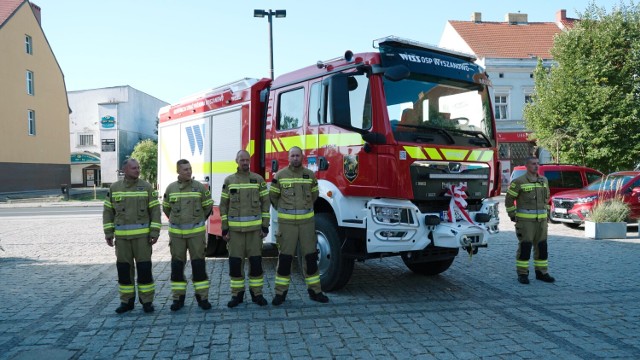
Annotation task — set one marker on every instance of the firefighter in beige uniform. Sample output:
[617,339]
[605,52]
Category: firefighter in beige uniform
[530,192]
[244,211]
[132,215]
[293,192]
[187,205]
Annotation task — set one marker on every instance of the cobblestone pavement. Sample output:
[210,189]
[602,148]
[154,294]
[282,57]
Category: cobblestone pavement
[59,292]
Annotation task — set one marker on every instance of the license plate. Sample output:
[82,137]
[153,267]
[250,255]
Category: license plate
[561,211]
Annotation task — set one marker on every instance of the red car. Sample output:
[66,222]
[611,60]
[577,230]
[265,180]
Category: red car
[572,207]
[562,177]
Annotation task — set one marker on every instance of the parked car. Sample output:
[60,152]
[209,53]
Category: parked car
[562,177]
[572,207]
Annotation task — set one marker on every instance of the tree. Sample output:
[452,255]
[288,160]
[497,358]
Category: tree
[146,152]
[586,108]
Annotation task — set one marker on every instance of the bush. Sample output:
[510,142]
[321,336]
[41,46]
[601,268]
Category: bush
[613,210]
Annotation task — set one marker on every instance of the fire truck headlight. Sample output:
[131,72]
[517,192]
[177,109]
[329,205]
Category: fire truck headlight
[387,215]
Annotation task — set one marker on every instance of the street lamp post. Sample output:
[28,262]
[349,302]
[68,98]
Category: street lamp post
[269,14]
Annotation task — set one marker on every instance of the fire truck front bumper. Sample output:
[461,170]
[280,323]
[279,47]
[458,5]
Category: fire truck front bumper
[398,225]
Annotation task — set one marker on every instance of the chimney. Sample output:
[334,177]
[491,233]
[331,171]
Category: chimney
[36,12]
[476,17]
[561,15]
[516,18]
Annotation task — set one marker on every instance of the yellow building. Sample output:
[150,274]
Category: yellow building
[34,110]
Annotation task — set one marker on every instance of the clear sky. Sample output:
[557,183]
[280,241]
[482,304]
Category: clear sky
[171,49]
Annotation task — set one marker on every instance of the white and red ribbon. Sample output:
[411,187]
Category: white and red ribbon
[458,203]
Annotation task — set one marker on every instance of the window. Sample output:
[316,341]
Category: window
[360,102]
[291,109]
[85,139]
[31,115]
[28,45]
[528,99]
[314,104]
[502,107]
[591,177]
[29,82]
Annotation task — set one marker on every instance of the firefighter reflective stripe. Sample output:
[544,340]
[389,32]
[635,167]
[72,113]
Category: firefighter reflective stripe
[256,282]
[189,194]
[432,153]
[245,221]
[224,217]
[512,193]
[108,226]
[207,202]
[224,195]
[131,229]
[266,215]
[126,289]
[144,288]
[522,264]
[107,203]
[281,280]
[244,186]
[122,194]
[287,182]
[201,285]
[295,214]
[531,214]
[531,186]
[510,209]
[311,280]
[178,286]
[155,225]
[541,263]
[153,203]
[264,192]
[186,229]
[274,190]
[237,284]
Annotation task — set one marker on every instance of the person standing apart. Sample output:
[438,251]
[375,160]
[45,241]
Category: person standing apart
[131,215]
[527,203]
[293,192]
[244,210]
[187,204]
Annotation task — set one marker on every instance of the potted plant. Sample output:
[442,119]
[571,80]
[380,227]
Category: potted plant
[608,220]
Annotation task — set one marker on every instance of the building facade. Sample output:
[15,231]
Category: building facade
[105,125]
[509,51]
[34,145]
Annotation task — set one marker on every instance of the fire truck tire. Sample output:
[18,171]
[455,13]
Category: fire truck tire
[335,269]
[429,268]
[216,247]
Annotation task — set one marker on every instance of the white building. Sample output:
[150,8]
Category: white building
[105,125]
[509,51]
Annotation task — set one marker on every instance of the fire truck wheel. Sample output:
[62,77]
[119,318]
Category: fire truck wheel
[429,268]
[335,269]
[216,247]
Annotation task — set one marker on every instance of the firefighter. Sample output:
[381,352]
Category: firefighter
[293,192]
[187,204]
[244,211]
[132,215]
[527,203]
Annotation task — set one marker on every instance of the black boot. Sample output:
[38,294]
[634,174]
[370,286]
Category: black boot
[236,300]
[178,304]
[148,307]
[279,299]
[124,307]
[319,297]
[544,277]
[203,303]
[258,299]
[523,278]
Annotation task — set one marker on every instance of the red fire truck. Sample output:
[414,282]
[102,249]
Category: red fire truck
[402,140]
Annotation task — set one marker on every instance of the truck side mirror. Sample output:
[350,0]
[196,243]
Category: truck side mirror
[339,106]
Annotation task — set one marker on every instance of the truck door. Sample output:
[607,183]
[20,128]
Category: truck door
[341,155]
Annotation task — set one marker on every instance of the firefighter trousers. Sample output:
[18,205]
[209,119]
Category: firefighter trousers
[288,238]
[196,246]
[243,245]
[132,254]
[532,234]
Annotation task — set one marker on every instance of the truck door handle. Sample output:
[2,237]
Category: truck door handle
[323,164]
[274,165]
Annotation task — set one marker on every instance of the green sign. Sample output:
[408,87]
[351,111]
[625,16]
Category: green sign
[84,158]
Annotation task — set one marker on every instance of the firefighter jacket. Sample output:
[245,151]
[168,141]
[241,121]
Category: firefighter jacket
[528,198]
[131,210]
[187,204]
[244,203]
[293,192]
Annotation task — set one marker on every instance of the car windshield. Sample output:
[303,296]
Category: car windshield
[423,109]
[610,183]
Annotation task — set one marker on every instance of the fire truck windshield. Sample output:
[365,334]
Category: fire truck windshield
[439,112]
